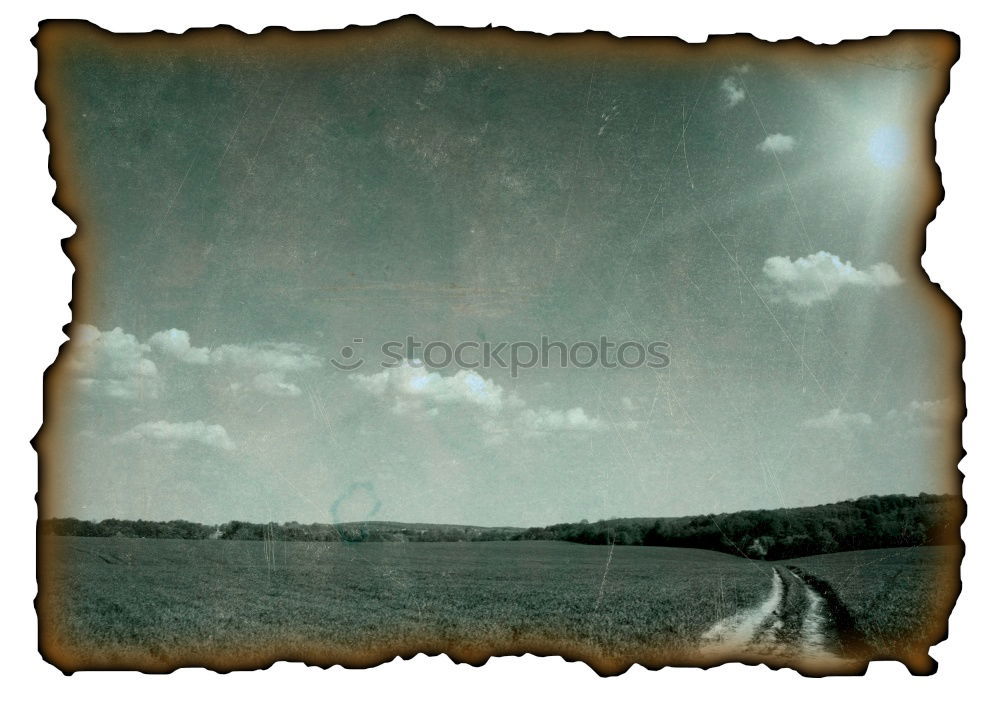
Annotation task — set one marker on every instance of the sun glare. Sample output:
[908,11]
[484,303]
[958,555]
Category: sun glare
[887,147]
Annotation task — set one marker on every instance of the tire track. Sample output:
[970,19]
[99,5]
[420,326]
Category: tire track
[794,625]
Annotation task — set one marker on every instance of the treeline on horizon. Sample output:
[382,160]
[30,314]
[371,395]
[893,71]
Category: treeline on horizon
[291,531]
[772,534]
[775,534]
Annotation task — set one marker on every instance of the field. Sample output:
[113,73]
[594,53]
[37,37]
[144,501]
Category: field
[165,603]
[896,599]
[159,604]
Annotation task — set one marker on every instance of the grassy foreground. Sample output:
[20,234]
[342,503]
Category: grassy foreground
[157,604]
[897,599]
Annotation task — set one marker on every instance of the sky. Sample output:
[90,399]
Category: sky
[247,215]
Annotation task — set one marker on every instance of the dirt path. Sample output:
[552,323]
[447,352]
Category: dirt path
[793,625]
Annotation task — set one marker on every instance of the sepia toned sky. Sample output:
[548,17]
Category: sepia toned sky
[247,215]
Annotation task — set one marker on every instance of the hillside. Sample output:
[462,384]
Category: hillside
[869,522]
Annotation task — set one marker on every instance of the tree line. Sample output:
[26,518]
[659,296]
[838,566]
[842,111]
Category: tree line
[360,532]
[773,534]
[290,531]
[125,528]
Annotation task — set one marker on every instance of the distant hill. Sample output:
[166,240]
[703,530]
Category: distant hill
[399,525]
[378,531]
[773,534]
[870,522]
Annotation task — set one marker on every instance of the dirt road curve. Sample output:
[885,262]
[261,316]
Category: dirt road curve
[794,625]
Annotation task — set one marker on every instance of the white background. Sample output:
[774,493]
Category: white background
[962,255]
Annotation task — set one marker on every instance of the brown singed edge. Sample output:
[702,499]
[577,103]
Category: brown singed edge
[936,51]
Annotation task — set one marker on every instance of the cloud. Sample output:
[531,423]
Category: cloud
[935,411]
[411,382]
[270,356]
[548,420]
[403,406]
[924,415]
[732,91]
[258,356]
[177,344]
[177,434]
[112,363]
[839,420]
[537,423]
[117,364]
[273,384]
[820,276]
[777,143]
[271,360]
[415,391]
[495,432]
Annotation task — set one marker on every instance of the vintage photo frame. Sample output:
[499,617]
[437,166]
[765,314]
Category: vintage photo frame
[769,461]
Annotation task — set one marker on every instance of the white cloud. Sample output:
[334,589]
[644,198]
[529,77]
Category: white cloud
[273,384]
[921,417]
[404,406]
[112,363]
[732,91]
[778,143]
[548,420]
[177,344]
[177,434]
[116,364]
[837,419]
[411,381]
[742,69]
[259,356]
[377,383]
[924,414]
[271,360]
[937,410]
[496,433]
[539,423]
[416,391]
[820,276]
[266,356]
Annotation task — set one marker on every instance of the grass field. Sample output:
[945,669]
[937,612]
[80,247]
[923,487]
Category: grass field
[229,604]
[897,598]
[159,604]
